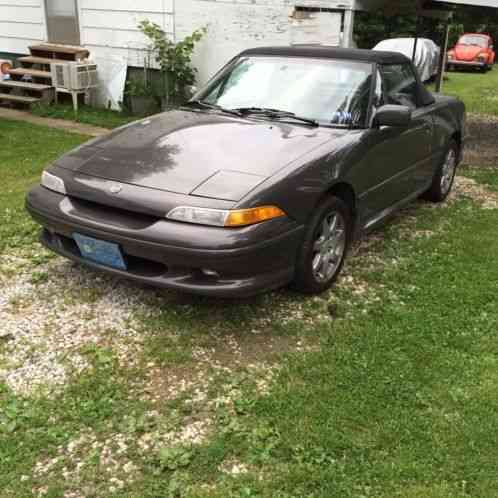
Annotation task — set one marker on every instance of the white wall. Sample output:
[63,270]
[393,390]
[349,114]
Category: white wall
[22,23]
[235,25]
[109,27]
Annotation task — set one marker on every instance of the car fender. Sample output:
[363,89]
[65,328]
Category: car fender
[297,188]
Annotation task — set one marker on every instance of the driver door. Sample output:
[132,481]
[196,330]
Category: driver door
[398,162]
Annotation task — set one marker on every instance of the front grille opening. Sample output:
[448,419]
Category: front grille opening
[96,211]
[136,266]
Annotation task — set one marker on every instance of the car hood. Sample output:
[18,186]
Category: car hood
[198,153]
[468,52]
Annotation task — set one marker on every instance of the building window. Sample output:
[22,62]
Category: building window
[62,22]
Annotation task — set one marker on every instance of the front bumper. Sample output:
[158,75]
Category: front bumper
[243,262]
[458,63]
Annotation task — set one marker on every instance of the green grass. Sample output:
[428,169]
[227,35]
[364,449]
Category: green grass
[25,150]
[478,91]
[31,428]
[486,176]
[398,398]
[104,118]
[401,399]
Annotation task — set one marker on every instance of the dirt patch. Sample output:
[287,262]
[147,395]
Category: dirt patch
[481,147]
[258,355]
[469,188]
[61,124]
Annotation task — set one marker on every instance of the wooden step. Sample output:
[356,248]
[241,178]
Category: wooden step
[35,73]
[31,59]
[77,53]
[24,85]
[20,99]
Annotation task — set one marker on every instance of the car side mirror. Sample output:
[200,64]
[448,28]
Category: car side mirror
[393,115]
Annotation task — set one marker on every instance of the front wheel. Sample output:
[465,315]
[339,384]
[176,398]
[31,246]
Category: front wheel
[445,175]
[322,255]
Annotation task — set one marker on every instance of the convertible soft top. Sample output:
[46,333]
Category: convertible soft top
[320,51]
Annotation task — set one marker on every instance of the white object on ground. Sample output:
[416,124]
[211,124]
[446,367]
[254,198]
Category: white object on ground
[112,79]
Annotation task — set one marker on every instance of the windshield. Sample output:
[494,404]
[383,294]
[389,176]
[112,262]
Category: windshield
[479,41]
[330,92]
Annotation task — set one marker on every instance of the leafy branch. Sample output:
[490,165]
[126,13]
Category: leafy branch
[174,59]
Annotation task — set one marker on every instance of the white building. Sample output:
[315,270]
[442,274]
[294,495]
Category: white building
[108,28]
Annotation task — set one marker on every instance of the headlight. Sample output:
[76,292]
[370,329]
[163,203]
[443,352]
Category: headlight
[481,57]
[451,55]
[53,182]
[224,218]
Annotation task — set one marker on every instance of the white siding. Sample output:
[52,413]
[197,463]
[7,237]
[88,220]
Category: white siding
[235,25]
[22,23]
[109,28]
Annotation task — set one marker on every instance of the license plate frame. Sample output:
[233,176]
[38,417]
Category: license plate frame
[100,251]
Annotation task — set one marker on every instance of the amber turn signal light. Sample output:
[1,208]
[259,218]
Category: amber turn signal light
[245,217]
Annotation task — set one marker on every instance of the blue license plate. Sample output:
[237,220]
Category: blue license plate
[100,251]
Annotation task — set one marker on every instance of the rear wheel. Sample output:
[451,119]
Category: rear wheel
[445,175]
[322,255]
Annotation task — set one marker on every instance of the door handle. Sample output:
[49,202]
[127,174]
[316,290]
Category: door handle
[427,128]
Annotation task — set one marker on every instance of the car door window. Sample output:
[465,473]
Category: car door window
[399,85]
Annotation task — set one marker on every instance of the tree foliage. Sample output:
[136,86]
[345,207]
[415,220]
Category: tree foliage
[373,27]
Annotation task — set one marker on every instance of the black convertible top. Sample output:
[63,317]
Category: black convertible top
[320,51]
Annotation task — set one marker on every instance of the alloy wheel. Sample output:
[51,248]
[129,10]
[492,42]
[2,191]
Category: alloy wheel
[329,247]
[448,172]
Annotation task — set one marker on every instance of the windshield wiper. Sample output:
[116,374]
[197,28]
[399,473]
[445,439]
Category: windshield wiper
[212,107]
[274,114]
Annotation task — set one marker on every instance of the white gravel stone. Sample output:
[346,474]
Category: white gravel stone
[45,325]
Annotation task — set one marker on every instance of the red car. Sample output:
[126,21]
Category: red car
[472,50]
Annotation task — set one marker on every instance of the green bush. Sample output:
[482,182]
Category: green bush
[174,59]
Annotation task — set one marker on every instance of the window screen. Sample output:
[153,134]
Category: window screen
[62,21]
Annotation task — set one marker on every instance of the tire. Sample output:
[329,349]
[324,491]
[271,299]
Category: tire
[445,176]
[312,262]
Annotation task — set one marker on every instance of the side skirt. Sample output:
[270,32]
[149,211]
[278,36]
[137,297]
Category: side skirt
[383,216]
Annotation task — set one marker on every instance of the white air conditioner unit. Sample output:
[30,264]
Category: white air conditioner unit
[74,75]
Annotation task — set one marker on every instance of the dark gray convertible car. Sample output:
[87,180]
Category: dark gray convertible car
[264,178]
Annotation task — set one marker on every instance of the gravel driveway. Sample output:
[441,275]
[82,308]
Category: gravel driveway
[197,354]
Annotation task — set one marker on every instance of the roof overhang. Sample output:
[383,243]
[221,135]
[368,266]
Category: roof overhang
[475,3]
